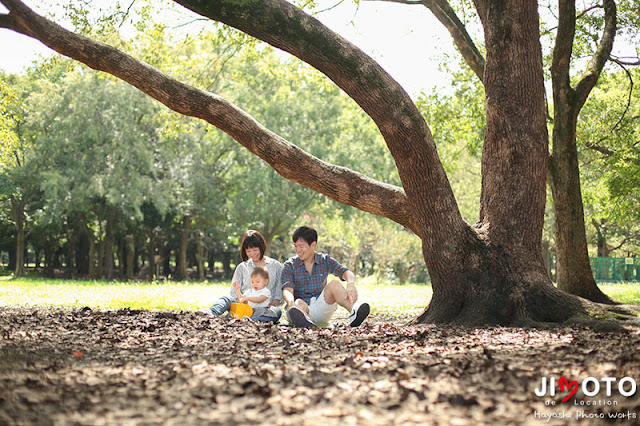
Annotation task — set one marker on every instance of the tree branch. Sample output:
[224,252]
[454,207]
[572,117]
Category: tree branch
[6,21]
[562,91]
[341,184]
[624,241]
[609,152]
[601,149]
[599,59]
[443,11]
[626,109]
[620,61]
[409,139]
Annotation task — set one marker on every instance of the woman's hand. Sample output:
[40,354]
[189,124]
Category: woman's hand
[236,285]
[275,302]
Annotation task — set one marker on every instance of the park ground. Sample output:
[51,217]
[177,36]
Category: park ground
[99,365]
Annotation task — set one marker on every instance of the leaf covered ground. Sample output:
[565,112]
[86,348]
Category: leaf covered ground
[125,366]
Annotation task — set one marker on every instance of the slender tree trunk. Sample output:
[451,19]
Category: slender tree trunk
[201,256]
[108,262]
[83,252]
[37,253]
[92,255]
[19,220]
[151,256]
[130,256]
[181,267]
[601,232]
[573,272]
[69,268]
[227,272]
[48,260]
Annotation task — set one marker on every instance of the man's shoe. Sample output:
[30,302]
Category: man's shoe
[358,314]
[298,318]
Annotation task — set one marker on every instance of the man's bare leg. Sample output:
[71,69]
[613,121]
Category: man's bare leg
[334,292]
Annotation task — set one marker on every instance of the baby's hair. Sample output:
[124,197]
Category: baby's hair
[259,270]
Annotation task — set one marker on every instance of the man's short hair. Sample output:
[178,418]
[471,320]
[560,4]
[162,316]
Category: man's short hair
[309,235]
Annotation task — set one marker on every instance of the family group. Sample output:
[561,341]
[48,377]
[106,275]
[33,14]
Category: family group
[300,283]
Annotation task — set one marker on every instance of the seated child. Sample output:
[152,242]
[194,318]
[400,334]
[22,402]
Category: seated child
[259,295]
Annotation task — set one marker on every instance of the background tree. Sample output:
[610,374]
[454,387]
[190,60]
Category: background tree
[18,173]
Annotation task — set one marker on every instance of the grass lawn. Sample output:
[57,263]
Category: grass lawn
[385,298]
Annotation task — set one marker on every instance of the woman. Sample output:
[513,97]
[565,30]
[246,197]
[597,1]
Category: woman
[252,251]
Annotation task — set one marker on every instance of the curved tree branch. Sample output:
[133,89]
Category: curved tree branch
[341,184]
[599,59]
[409,139]
[626,109]
[622,61]
[443,11]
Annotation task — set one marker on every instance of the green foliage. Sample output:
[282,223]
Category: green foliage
[10,114]
[369,245]
[608,134]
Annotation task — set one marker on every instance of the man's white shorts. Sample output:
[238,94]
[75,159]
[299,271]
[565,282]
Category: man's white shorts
[320,311]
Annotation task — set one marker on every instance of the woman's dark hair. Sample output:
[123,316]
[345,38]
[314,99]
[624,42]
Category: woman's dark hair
[252,239]
[307,234]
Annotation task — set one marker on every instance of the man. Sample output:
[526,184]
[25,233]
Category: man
[310,300]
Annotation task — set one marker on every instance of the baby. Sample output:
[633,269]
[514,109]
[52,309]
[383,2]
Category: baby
[259,295]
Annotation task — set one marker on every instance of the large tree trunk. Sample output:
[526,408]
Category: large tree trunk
[494,273]
[574,273]
[489,273]
[19,220]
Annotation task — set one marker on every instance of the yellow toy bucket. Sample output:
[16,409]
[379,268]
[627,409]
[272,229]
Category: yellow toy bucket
[239,310]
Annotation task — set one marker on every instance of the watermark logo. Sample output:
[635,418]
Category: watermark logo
[590,387]
[606,390]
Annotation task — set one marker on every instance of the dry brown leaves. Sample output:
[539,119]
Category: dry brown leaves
[113,367]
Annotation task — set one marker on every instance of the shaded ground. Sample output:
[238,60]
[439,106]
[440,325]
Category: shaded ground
[140,367]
